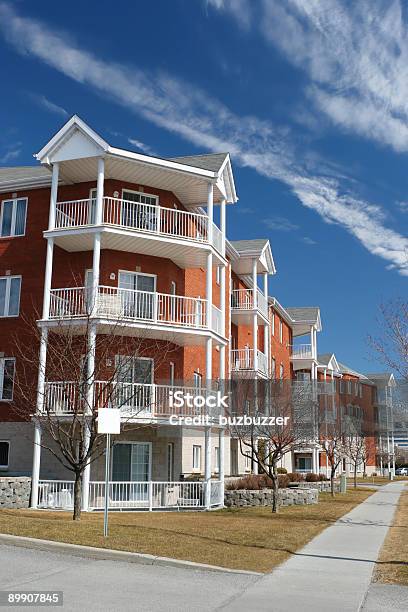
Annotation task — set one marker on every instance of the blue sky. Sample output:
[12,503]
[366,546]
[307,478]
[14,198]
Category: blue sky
[310,98]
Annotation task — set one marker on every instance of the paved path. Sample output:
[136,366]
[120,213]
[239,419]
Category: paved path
[333,572]
[389,597]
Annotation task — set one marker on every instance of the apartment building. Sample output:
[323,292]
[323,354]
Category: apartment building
[103,242]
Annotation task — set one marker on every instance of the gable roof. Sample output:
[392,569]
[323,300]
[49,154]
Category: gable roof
[208,161]
[302,314]
[249,246]
[344,369]
[324,358]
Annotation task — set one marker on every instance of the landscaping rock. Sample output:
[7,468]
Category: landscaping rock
[15,491]
[287,497]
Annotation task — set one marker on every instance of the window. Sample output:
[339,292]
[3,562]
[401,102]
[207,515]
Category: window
[273,368]
[196,458]
[217,459]
[4,454]
[342,386]
[171,374]
[7,367]
[349,384]
[273,324]
[280,331]
[13,217]
[304,464]
[281,371]
[248,463]
[170,461]
[10,296]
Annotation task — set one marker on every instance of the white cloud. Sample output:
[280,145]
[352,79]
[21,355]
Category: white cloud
[141,146]
[42,101]
[189,112]
[309,241]
[240,9]
[12,152]
[403,206]
[280,224]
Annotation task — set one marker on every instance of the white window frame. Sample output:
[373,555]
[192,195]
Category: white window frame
[216,459]
[133,443]
[141,193]
[218,275]
[171,373]
[13,217]
[4,466]
[273,368]
[280,331]
[349,387]
[197,377]
[247,463]
[2,367]
[273,324]
[281,371]
[7,296]
[197,452]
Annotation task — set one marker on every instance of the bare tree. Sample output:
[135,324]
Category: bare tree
[392,345]
[81,377]
[266,441]
[354,450]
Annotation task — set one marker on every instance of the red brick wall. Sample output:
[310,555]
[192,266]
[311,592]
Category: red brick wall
[280,351]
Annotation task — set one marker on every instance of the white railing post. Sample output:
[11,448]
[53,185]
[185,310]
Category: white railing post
[150,491]
[35,475]
[255,316]
[208,288]
[40,407]
[222,301]
[158,217]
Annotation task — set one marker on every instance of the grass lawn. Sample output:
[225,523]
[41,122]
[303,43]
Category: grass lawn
[393,560]
[378,480]
[247,538]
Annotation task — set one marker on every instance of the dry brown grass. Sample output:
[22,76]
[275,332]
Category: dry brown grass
[393,560]
[377,480]
[250,538]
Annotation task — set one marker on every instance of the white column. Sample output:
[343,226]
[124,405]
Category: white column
[95,270]
[255,317]
[255,466]
[208,291]
[265,284]
[223,226]
[221,466]
[89,410]
[222,364]
[42,363]
[223,300]
[48,278]
[99,191]
[207,467]
[210,211]
[53,196]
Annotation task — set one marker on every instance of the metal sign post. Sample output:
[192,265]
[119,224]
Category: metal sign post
[107,473]
[108,423]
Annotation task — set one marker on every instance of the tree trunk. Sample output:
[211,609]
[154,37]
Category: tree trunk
[332,473]
[77,496]
[275,491]
[355,475]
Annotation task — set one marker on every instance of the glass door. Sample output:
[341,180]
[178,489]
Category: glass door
[131,470]
[135,390]
[138,295]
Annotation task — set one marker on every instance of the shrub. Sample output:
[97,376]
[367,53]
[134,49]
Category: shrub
[295,477]
[283,480]
[312,477]
[282,470]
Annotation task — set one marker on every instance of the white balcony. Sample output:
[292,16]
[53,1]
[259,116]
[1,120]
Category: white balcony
[243,307]
[242,360]
[182,236]
[136,401]
[122,495]
[150,310]
[301,351]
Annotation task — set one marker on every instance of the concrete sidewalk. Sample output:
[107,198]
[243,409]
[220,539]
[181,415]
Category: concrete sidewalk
[332,572]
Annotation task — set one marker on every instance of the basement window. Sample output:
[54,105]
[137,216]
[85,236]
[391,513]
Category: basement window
[4,454]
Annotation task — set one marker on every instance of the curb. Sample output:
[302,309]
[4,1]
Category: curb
[107,554]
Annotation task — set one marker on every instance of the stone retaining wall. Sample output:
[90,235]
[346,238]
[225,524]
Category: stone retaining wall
[15,491]
[263,497]
[323,486]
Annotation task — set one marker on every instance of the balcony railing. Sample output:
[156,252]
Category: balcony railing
[243,360]
[243,299]
[301,351]
[133,399]
[59,494]
[145,218]
[134,305]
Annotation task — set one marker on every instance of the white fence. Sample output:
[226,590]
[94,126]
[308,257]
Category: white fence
[243,299]
[124,495]
[243,359]
[145,218]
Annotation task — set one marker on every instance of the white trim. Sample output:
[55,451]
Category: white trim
[200,456]
[139,274]
[8,280]
[13,217]
[142,193]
